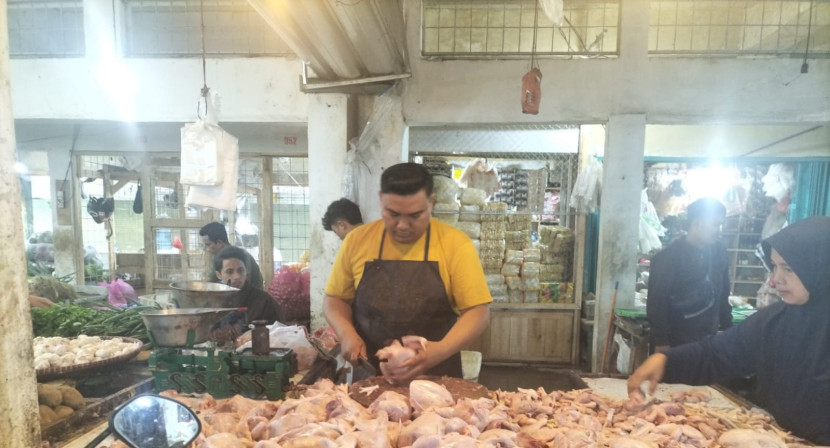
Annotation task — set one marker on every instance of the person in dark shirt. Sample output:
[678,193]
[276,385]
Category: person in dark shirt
[232,270]
[786,345]
[688,287]
[341,217]
[215,238]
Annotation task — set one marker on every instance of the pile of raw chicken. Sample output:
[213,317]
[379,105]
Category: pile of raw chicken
[325,416]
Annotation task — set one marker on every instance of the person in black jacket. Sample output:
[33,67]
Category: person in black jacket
[786,345]
[688,286]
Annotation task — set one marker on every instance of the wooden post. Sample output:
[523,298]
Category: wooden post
[266,222]
[110,225]
[19,425]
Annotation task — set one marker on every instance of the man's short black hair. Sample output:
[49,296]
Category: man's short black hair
[215,232]
[342,209]
[406,179]
[705,208]
[228,253]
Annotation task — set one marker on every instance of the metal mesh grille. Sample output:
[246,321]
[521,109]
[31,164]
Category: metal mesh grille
[558,173]
[127,227]
[171,263]
[730,27]
[290,199]
[247,221]
[41,28]
[506,27]
[173,28]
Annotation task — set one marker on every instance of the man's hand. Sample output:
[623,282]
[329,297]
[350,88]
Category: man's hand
[424,359]
[652,371]
[339,315]
[351,347]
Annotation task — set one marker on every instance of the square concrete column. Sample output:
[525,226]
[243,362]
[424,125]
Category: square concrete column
[622,182]
[329,130]
[19,424]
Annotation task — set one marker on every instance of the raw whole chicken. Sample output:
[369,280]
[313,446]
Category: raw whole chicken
[395,354]
[394,404]
[324,416]
[428,424]
[747,438]
[425,395]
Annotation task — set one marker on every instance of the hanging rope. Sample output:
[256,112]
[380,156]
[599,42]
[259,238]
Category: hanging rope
[205,88]
[535,28]
[804,66]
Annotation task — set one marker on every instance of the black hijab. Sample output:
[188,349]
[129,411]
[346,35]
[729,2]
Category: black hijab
[794,370]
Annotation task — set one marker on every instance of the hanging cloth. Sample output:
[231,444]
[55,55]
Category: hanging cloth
[138,203]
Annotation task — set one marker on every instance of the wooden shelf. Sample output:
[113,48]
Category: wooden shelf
[534,306]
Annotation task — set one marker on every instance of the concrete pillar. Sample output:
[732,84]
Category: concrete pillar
[329,130]
[19,424]
[384,142]
[622,182]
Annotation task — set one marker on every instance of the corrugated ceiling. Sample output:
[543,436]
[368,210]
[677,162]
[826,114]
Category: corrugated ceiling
[341,40]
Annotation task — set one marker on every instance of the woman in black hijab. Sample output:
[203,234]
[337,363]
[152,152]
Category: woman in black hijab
[786,345]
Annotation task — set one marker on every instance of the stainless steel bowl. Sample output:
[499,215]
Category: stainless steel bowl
[170,328]
[204,295]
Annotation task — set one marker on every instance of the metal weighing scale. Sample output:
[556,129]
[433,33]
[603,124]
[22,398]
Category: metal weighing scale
[178,363]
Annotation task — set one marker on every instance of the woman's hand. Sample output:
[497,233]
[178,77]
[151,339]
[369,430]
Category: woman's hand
[652,371]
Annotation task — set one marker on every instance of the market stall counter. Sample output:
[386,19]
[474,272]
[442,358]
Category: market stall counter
[442,412]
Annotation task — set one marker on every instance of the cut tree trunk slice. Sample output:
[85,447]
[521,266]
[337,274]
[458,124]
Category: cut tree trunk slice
[457,387]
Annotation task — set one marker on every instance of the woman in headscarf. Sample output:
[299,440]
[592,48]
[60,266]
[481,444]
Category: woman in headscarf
[786,345]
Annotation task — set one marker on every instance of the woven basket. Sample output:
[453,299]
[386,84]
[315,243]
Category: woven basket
[54,372]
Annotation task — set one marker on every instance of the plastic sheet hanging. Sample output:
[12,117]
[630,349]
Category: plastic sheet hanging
[366,146]
[585,196]
[650,228]
[555,10]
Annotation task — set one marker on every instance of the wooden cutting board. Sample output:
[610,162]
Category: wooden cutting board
[457,387]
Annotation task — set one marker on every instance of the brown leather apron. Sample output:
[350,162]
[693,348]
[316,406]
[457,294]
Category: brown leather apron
[396,298]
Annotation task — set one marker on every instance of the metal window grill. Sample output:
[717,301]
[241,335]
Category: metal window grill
[173,28]
[173,223]
[46,28]
[730,27]
[173,264]
[127,231]
[459,28]
[247,220]
[291,209]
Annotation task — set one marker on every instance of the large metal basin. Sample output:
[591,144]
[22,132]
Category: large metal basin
[170,328]
[204,295]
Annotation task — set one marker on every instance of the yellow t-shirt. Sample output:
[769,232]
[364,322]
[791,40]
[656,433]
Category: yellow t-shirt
[457,259]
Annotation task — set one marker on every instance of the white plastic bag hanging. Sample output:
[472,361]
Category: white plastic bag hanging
[222,196]
[201,154]
[623,354]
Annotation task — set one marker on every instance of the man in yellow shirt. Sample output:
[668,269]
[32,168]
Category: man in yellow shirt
[407,274]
